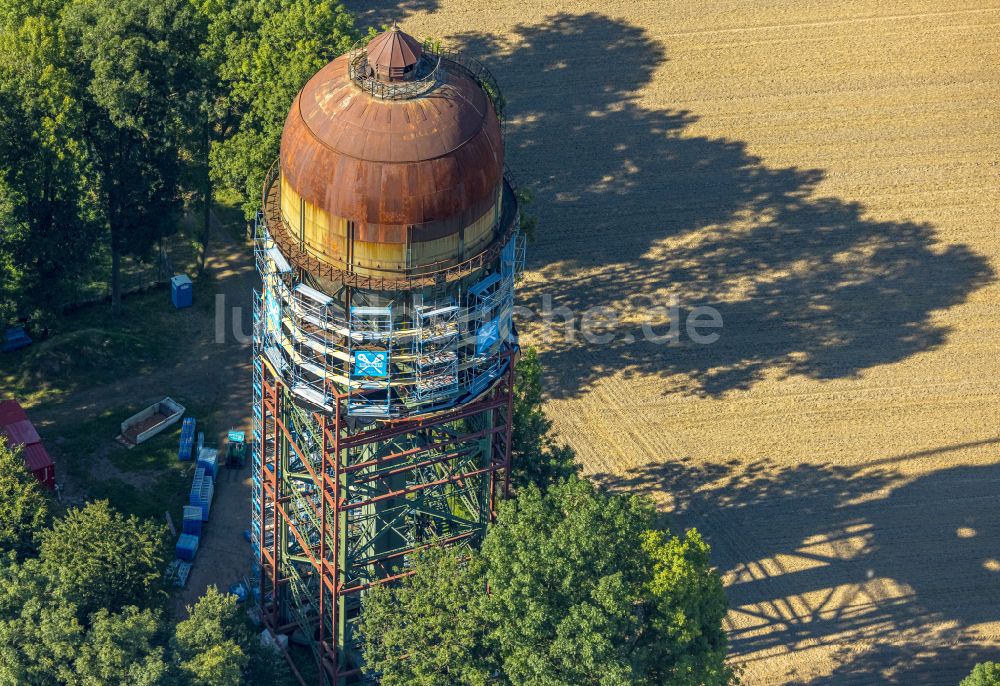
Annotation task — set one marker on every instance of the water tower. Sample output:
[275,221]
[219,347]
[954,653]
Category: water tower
[388,246]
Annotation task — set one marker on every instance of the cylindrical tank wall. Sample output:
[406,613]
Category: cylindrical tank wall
[397,249]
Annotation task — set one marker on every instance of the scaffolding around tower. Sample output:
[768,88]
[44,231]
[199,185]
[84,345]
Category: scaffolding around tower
[389,248]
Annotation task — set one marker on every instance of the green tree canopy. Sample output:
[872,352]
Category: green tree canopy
[215,646]
[122,648]
[97,558]
[48,231]
[24,508]
[435,615]
[265,52]
[210,642]
[38,638]
[44,642]
[133,64]
[984,674]
[583,590]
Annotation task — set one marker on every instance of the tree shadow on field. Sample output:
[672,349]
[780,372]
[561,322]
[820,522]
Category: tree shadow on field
[886,572]
[384,13]
[633,209]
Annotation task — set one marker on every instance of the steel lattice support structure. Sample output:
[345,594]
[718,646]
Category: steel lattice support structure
[345,507]
[389,247]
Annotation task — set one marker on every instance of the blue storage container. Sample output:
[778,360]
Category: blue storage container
[208,459]
[207,491]
[181,291]
[192,520]
[187,546]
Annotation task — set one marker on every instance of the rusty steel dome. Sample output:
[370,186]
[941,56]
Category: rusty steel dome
[396,172]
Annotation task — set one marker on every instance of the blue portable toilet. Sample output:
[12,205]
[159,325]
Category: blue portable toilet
[181,291]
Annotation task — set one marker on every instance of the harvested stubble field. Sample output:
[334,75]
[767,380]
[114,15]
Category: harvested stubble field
[824,174]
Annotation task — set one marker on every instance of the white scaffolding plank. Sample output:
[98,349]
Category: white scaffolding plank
[314,295]
[275,357]
[312,395]
[440,311]
[313,369]
[369,410]
[371,311]
[279,260]
[312,343]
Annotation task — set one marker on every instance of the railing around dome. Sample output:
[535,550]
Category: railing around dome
[364,77]
[479,73]
[428,76]
[434,274]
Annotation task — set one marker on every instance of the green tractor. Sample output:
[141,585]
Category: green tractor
[236,452]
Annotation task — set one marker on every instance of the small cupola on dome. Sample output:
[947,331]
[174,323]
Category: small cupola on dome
[394,54]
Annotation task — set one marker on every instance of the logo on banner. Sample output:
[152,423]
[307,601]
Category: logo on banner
[371,363]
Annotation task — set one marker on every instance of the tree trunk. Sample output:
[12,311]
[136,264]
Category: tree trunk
[116,281]
[206,192]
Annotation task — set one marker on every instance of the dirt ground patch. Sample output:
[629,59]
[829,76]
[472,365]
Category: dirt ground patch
[825,176]
[211,375]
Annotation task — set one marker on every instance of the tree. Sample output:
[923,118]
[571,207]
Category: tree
[215,646]
[133,62]
[983,674]
[122,648]
[435,617]
[43,642]
[24,508]
[566,572]
[265,52]
[536,457]
[38,638]
[49,235]
[686,604]
[210,643]
[582,590]
[97,558]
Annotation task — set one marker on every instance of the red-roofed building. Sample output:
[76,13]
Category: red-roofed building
[19,431]
[10,412]
[38,462]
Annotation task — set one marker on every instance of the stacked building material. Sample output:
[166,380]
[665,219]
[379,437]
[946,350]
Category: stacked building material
[19,431]
[192,520]
[207,492]
[187,440]
[178,572]
[187,546]
[208,459]
[202,490]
